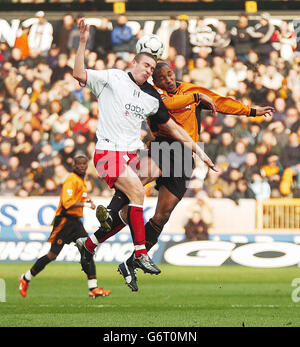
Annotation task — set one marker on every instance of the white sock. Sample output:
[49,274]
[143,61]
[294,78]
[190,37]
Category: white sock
[92,283]
[28,275]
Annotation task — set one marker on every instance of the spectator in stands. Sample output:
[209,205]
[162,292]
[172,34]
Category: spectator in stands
[60,174]
[5,153]
[237,157]
[4,175]
[272,171]
[280,107]
[58,141]
[230,55]
[60,69]
[291,152]
[10,187]
[292,118]
[242,191]
[11,81]
[202,74]
[280,132]
[51,188]
[260,187]
[272,79]
[40,34]
[102,42]
[269,140]
[63,33]
[249,166]
[53,56]
[15,170]
[285,38]
[258,94]
[122,39]
[196,229]
[22,41]
[253,60]
[263,32]
[229,181]
[220,68]
[180,67]
[203,35]
[236,74]
[180,39]
[45,159]
[226,144]
[209,146]
[67,154]
[241,38]
[213,183]
[30,186]
[222,39]
[16,57]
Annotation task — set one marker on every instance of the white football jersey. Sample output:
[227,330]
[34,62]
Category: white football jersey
[123,106]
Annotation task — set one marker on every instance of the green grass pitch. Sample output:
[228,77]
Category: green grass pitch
[227,296]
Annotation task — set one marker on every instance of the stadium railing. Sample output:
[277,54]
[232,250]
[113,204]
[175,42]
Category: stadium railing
[278,214]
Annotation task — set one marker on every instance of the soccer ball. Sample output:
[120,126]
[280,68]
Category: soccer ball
[150,44]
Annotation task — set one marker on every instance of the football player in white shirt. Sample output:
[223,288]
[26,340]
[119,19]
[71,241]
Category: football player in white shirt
[123,106]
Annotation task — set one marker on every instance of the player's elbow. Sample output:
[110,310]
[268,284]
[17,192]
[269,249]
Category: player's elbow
[80,75]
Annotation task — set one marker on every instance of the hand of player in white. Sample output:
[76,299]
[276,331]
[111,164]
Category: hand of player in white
[84,30]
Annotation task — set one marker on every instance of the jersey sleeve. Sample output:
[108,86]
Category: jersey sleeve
[96,80]
[225,104]
[177,102]
[68,193]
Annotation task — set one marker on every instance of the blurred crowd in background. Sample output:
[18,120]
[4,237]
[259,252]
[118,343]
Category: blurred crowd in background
[46,117]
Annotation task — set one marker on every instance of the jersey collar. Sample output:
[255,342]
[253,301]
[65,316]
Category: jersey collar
[132,78]
[177,85]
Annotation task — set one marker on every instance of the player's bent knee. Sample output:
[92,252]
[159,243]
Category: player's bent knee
[161,218]
[136,195]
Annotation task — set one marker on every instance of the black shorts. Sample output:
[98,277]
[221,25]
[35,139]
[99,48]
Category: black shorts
[65,229]
[175,162]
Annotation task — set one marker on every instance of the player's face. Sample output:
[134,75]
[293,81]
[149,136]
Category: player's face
[166,79]
[81,166]
[143,69]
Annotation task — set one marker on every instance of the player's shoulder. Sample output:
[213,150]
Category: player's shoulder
[72,178]
[117,73]
[160,91]
[149,89]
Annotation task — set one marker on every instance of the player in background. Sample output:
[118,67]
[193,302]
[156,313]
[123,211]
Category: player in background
[67,227]
[182,101]
[125,100]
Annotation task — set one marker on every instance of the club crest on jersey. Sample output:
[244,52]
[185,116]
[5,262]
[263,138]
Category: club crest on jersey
[136,93]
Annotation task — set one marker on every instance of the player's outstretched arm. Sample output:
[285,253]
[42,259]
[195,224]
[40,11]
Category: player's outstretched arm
[79,69]
[228,105]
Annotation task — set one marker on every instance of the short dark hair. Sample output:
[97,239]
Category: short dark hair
[141,54]
[158,67]
[79,156]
